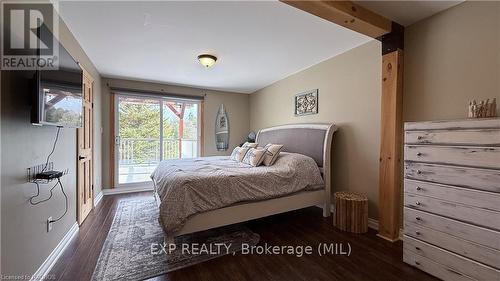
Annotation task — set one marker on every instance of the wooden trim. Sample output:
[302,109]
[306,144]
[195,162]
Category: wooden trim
[112,139]
[391,145]
[202,128]
[154,94]
[87,74]
[85,148]
[92,133]
[346,14]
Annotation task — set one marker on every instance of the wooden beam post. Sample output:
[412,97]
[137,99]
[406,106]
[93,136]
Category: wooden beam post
[391,135]
[391,145]
[346,14]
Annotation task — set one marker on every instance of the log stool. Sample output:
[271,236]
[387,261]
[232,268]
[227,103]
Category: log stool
[351,212]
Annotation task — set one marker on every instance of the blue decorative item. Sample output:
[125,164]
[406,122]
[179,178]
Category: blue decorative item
[251,137]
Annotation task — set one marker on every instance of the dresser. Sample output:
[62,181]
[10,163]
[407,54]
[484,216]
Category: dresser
[452,198]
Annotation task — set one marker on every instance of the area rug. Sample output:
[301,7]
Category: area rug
[134,248]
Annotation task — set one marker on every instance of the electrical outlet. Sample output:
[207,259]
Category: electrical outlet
[49,224]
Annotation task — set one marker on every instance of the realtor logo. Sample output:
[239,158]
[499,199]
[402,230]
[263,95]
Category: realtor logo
[29,36]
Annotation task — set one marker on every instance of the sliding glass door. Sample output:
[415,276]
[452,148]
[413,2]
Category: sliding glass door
[149,130]
[180,129]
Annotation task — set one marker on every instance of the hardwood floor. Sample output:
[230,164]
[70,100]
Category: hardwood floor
[371,258]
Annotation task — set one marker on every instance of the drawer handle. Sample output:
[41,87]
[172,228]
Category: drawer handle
[417,232]
[419,137]
[417,248]
[417,203]
[417,263]
[419,188]
[419,153]
[419,172]
[418,218]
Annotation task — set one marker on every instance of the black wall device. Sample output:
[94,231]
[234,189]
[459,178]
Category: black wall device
[49,175]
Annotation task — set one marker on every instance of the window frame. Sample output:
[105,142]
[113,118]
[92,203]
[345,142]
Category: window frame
[115,139]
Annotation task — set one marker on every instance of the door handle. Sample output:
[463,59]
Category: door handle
[81,157]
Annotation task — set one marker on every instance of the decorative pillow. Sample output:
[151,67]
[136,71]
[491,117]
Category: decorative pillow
[272,152]
[233,154]
[250,144]
[239,153]
[254,156]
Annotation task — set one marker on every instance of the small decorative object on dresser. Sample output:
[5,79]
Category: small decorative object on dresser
[483,109]
[452,198]
[306,103]
[351,212]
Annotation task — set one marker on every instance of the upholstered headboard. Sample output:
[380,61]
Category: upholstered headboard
[313,140]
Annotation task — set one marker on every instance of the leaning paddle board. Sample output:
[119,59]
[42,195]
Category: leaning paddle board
[222,129]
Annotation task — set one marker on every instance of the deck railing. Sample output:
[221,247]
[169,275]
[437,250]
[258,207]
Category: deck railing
[146,151]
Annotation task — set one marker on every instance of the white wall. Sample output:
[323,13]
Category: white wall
[450,59]
[349,95]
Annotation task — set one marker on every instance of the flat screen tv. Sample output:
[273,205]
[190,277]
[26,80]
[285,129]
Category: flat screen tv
[58,94]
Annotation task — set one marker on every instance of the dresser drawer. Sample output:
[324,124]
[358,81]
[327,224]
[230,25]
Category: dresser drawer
[482,157]
[454,244]
[472,137]
[470,214]
[442,272]
[477,198]
[461,124]
[483,236]
[483,179]
[417,249]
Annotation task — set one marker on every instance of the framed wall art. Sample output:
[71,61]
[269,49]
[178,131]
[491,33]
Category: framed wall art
[306,103]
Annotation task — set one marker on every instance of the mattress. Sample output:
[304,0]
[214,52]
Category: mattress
[187,187]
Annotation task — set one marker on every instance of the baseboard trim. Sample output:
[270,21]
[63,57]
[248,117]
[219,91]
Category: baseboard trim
[388,239]
[373,223]
[121,190]
[47,265]
[98,199]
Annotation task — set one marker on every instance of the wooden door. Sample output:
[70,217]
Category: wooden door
[85,134]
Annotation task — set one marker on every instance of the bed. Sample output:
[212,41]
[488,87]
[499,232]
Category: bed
[208,192]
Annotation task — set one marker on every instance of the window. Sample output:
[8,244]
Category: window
[149,130]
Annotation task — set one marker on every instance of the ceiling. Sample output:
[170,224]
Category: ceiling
[257,43]
[407,12]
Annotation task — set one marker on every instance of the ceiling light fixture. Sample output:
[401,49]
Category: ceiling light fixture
[207,60]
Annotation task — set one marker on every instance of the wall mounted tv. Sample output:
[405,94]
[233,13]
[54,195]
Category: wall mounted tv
[58,94]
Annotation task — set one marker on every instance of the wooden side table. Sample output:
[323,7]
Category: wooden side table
[351,212]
